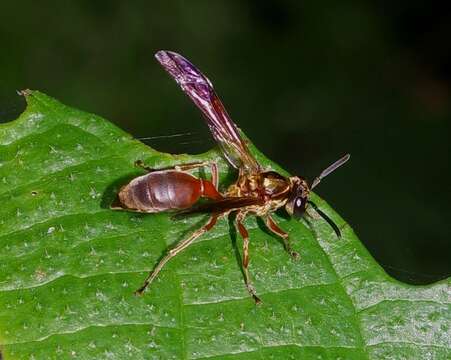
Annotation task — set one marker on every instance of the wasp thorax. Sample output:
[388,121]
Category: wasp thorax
[275,185]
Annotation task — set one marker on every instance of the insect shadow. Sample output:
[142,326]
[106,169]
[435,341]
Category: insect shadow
[262,227]
[233,237]
[109,196]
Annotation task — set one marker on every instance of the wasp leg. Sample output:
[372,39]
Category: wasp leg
[272,225]
[140,163]
[210,188]
[173,252]
[214,175]
[245,235]
[185,167]
[180,167]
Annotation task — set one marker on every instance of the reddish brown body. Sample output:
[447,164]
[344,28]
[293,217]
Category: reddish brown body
[165,190]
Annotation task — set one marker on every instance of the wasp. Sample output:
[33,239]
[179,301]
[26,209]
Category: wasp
[257,191]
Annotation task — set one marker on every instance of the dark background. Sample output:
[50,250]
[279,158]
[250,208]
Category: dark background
[306,81]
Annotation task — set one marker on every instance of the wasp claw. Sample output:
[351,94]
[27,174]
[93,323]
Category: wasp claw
[253,293]
[139,292]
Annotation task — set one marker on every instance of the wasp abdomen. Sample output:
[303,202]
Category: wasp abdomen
[161,190]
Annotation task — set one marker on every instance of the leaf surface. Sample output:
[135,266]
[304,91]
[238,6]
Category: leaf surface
[69,266]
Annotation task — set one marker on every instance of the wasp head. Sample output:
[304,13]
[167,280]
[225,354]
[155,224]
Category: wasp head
[297,201]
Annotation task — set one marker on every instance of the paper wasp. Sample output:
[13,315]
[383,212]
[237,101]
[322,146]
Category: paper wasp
[256,191]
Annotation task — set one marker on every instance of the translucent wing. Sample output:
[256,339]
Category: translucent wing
[221,205]
[200,90]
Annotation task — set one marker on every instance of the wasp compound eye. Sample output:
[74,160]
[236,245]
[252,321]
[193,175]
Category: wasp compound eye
[299,206]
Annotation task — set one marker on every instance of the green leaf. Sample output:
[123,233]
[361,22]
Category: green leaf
[69,266]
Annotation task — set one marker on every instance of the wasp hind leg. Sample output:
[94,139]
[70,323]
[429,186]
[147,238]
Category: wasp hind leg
[174,251]
[180,167]
[140,163]
[275,229]
[245,235]
[186,167]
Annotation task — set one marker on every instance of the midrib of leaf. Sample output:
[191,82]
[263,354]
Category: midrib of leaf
[127,151]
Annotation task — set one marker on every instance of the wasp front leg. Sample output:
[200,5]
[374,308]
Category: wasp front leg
[245,235]
[275,229]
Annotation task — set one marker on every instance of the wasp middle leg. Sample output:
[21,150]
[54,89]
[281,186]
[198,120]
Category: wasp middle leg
[174,251]
[245,235]
[275,229]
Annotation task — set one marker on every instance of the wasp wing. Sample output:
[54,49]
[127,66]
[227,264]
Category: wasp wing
[221,206]
[199,88]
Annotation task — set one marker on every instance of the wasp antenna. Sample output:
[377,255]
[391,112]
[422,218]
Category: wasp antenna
[330,169]
[327,218]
